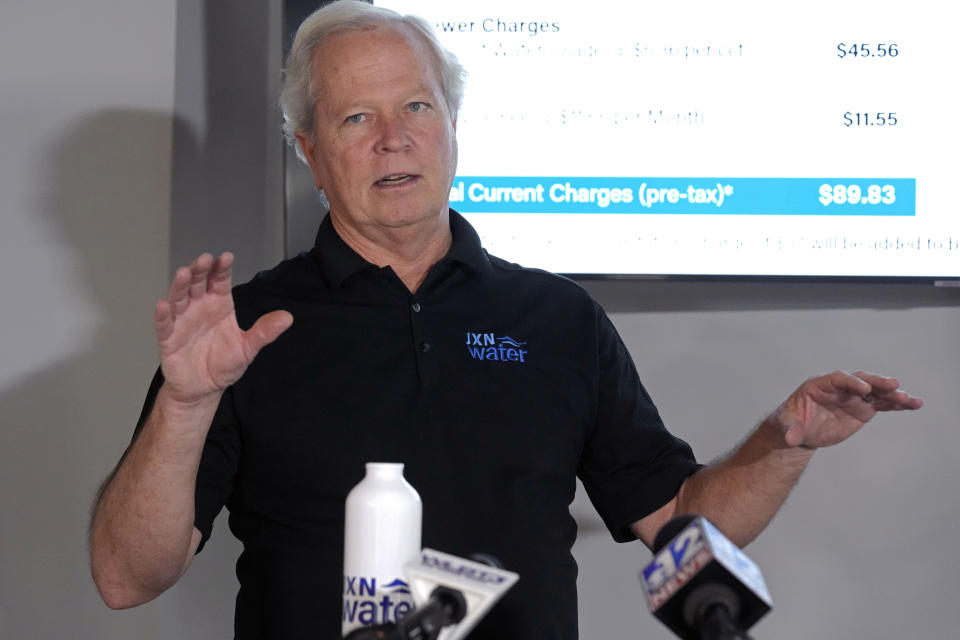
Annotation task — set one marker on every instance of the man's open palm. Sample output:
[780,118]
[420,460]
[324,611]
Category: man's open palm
[202,348]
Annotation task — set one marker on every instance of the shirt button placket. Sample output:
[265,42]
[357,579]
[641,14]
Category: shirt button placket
[416,321]
[421,341]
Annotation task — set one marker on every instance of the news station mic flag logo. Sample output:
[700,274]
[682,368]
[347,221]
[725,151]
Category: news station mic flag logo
[700,555]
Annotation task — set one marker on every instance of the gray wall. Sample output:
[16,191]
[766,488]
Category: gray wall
[858,551]
[98,206]
[136,133]
[85,123]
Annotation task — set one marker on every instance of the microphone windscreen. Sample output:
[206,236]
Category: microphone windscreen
[670,530]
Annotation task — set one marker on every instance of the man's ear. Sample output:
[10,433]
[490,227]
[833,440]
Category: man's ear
[307,147]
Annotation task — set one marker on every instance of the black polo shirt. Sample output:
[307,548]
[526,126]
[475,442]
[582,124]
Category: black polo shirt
[496,385]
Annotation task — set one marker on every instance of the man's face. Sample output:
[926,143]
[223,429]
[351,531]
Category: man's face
[386,151]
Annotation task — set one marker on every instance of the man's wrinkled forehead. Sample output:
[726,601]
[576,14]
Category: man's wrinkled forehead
[329,57]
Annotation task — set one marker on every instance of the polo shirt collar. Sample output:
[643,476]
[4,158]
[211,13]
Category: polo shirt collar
[338,261]
[465,248]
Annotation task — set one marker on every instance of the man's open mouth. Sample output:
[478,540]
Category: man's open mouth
[396,178]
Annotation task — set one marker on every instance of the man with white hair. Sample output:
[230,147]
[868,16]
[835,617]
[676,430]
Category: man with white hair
[274,418]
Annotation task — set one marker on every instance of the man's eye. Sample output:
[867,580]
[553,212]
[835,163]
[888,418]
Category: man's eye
[355,118]
[417,106]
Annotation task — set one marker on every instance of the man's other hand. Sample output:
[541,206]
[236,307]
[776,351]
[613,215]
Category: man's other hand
[202,348]
[828,409]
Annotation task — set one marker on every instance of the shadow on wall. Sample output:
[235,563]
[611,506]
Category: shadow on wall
[106,198]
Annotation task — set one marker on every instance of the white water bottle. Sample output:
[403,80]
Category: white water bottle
[381,534]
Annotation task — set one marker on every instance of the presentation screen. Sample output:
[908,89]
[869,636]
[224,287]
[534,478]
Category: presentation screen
[708,138]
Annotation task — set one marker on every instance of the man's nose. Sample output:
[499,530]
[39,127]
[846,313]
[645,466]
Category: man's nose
[393,135]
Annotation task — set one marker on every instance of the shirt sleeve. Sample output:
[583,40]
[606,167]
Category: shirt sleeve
[218,463]
[631,464]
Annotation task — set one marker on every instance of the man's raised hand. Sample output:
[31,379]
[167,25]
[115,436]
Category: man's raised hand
[829,409]
[202,348]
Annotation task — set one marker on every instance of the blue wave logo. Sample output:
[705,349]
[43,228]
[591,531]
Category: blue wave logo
[486,346]
[397,586]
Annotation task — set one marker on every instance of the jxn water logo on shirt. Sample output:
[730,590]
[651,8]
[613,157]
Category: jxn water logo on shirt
[486,346]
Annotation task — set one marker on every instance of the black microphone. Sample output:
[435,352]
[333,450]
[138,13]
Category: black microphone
[700,585]
[445,607]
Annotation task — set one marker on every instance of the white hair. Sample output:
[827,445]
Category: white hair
[298,97]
